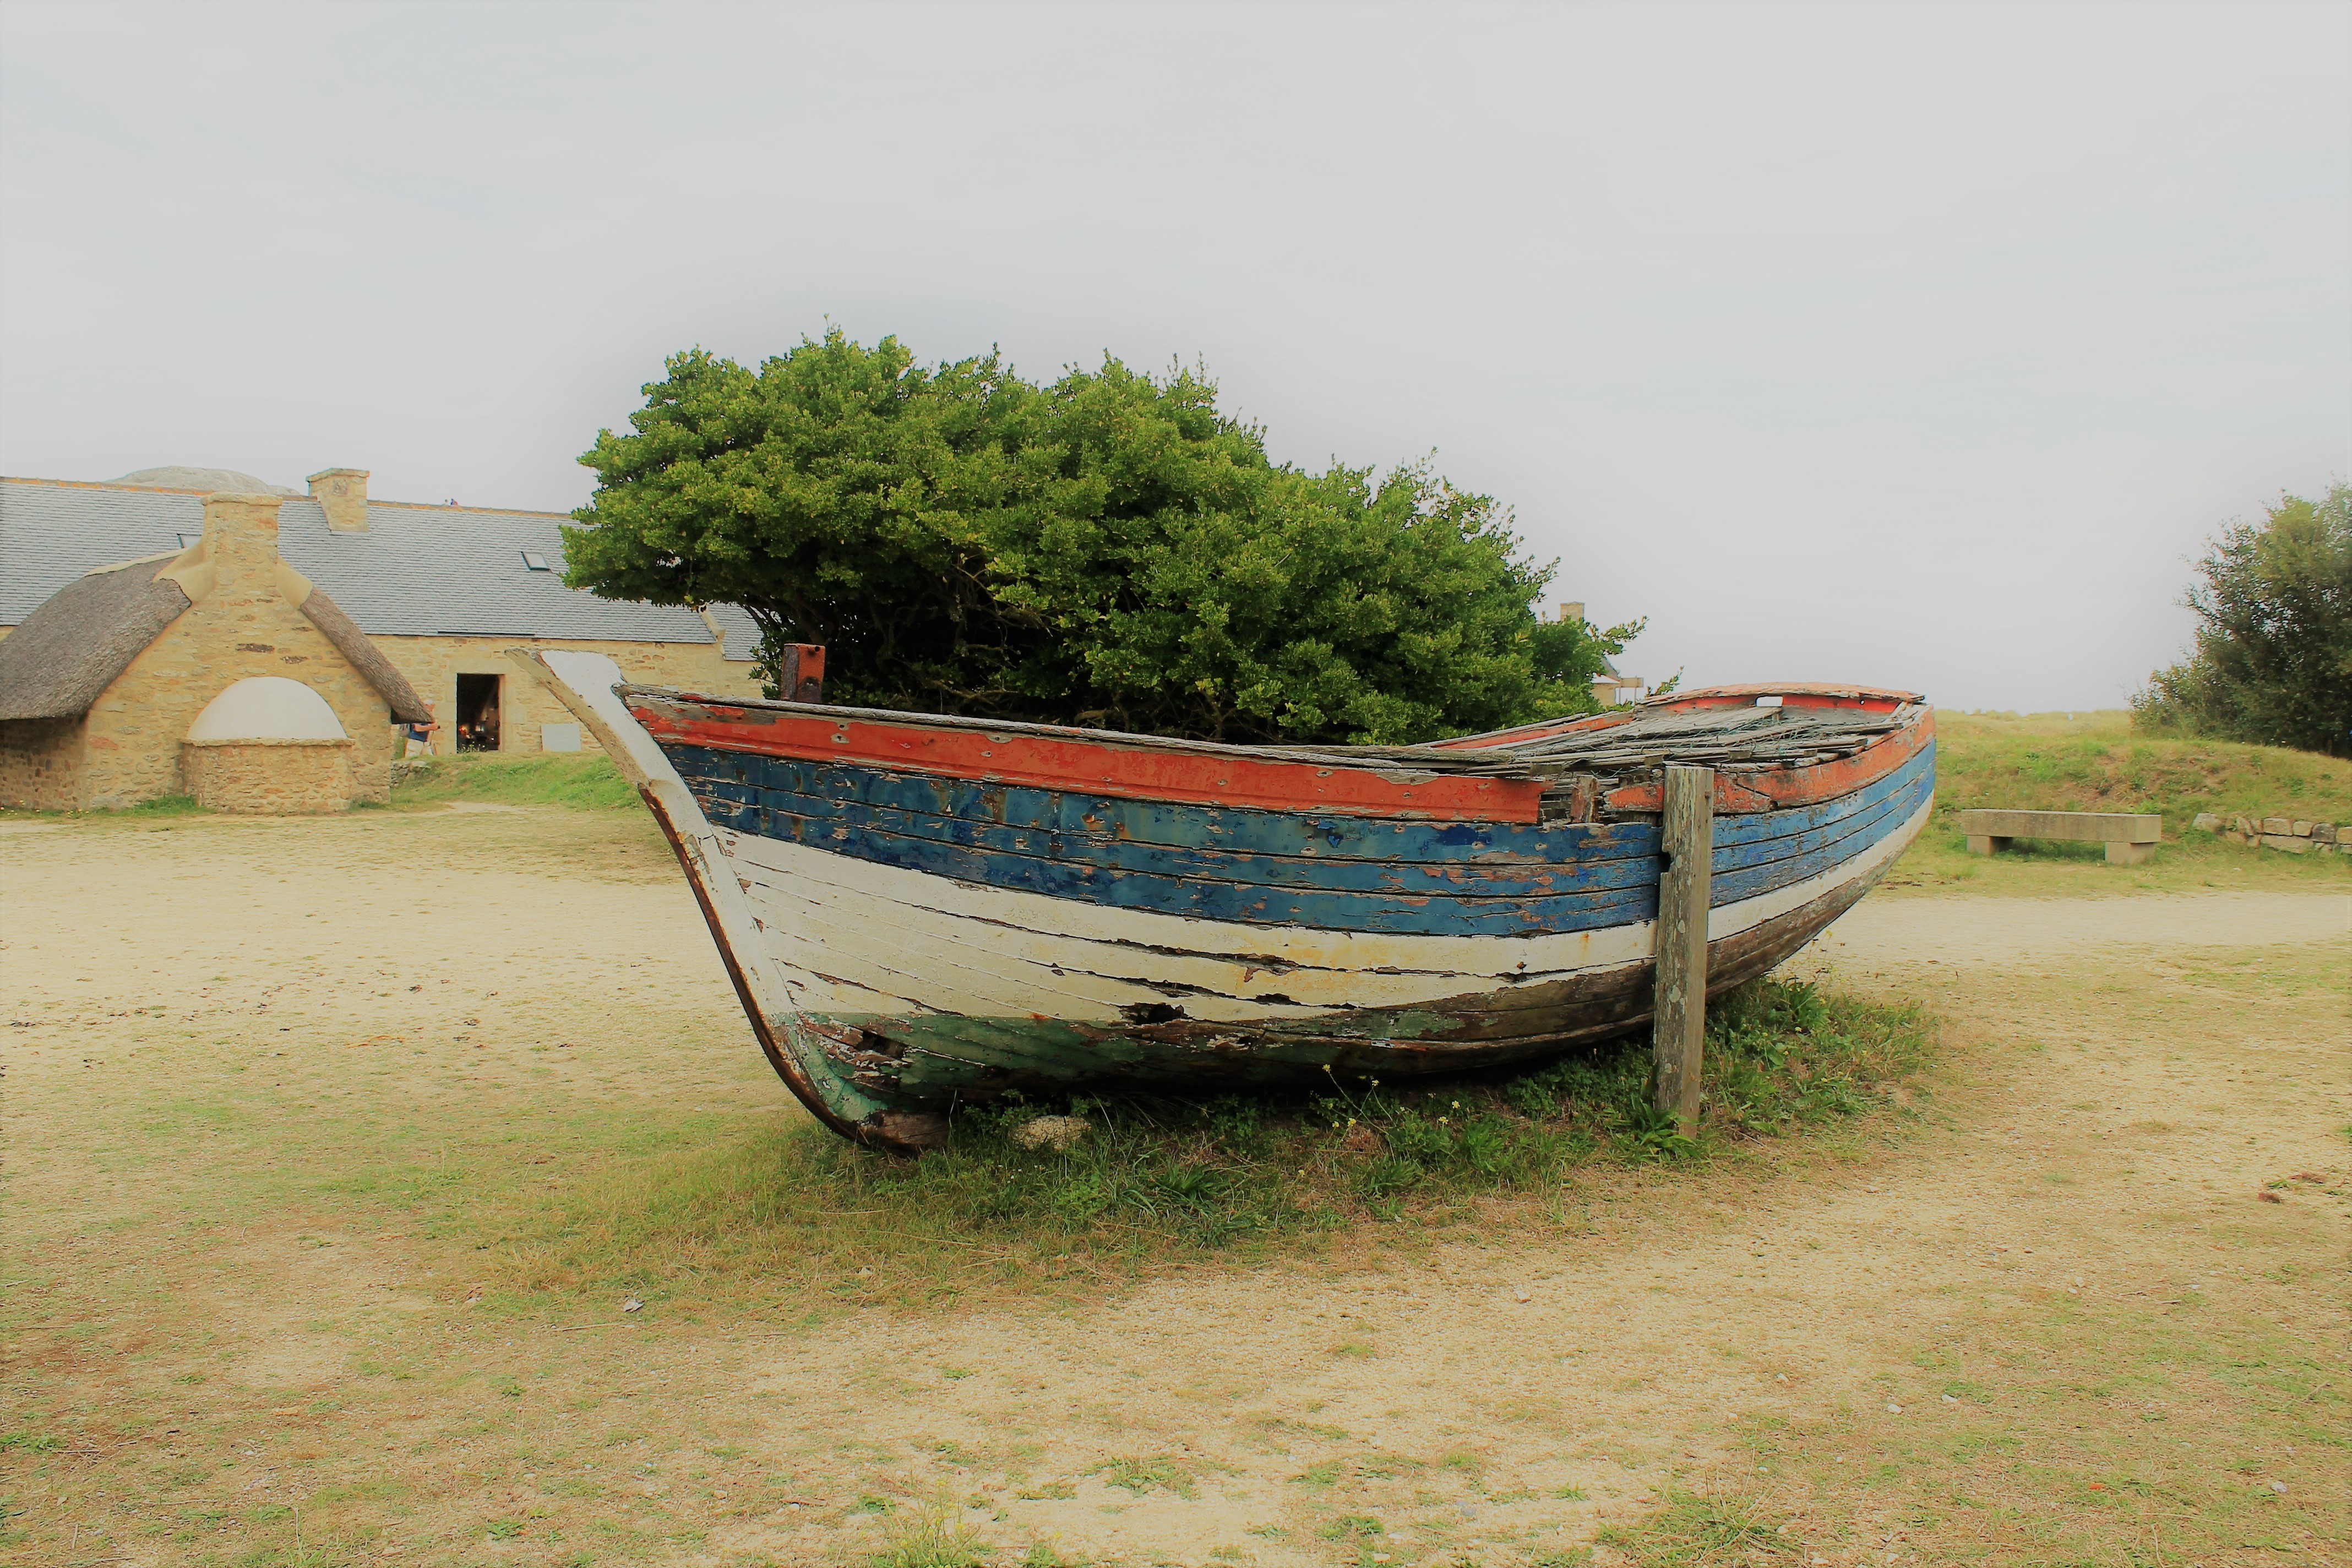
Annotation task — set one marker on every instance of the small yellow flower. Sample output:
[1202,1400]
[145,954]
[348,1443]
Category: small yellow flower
[1352,1121]
[1441,1121]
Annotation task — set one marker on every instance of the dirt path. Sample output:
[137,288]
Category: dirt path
[2029,933]
[2066,1248]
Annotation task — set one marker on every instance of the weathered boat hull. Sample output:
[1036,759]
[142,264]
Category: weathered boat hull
[905,934]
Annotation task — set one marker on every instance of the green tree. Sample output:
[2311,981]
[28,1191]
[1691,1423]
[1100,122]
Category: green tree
[2273,662]
[1106,550]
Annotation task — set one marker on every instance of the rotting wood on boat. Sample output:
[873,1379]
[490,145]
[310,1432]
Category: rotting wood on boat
[919,910]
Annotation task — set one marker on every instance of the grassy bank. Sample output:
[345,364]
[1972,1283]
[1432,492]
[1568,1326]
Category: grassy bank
[585,783]
[2093,761]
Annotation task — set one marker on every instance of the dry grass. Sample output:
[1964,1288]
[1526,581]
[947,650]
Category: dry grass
[2110,1400]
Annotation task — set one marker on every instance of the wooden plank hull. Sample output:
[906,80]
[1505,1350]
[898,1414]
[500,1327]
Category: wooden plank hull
[910,927]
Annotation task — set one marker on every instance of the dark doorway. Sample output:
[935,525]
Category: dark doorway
[478,712]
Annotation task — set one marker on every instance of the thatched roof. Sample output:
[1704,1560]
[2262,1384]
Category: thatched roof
[70,650]
[364,657]
[76,645]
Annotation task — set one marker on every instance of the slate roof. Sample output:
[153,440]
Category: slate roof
[418,571]
[72,649]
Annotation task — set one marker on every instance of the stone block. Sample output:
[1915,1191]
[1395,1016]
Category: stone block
[2324,832]
[2302,830]
[2279,826]
[2121,854]
[2094,826]
[2206,822]
[2288,842]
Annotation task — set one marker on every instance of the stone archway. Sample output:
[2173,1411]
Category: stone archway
[269,746]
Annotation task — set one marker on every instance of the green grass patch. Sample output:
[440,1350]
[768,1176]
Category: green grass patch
[786,1209]
[585,783]
[930,1536]
[1141,1475]
[1691,1531]
[163,808]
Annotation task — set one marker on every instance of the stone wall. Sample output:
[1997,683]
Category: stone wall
[41,763]
[243,625]
[433,665]
[269,778]
[2294,835]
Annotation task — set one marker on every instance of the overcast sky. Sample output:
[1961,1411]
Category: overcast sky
[1908,344]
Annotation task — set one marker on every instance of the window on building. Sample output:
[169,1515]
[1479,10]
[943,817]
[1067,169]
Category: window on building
[534,562]
[478,711]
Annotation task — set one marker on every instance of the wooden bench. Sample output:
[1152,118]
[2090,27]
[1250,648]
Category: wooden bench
[2129,837]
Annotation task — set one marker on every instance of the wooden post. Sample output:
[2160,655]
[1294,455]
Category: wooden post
[1687,845]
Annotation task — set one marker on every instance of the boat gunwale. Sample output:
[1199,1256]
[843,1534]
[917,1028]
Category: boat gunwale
[1381,787]
[1444,759]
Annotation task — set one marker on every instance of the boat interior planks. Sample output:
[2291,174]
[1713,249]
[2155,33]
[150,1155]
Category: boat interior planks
[921,912]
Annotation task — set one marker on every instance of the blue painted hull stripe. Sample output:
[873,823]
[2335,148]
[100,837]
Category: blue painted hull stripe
[1446,911]
[820,823]
[1321,836]
[1418,857]
[1452,915]
[1071,824]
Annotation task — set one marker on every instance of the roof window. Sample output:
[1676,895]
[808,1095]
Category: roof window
[188,540]
[534,562]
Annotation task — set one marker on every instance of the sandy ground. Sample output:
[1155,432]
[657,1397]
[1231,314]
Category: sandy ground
[2024,933]
[2114,1109]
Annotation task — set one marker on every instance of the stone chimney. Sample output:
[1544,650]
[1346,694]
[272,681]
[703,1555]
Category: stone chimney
[1572,610]
[342,492]
[241,540]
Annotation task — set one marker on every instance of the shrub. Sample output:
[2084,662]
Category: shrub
[2273,663]
[1107,549]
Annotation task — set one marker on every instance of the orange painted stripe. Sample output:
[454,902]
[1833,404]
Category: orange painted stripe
[1098,767]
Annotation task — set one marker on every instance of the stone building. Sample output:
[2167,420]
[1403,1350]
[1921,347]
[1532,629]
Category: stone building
[215,670]
[1610,688]
[441,591]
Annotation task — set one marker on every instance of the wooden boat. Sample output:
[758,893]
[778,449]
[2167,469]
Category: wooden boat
[920,910]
